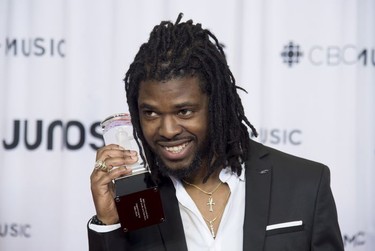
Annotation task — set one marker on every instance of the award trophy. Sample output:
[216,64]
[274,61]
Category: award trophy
[137,196]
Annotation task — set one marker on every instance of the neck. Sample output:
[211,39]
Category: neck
[197,178]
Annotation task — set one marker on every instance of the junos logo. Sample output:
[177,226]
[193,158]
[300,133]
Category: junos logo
[331,55]
[71,135]
[36,46]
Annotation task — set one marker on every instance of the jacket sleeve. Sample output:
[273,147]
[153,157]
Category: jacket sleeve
[326,233]
[110,241]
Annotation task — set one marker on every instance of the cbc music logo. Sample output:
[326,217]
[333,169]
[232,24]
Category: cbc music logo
[354,240]
[291,54]
[278,136]
[36,46]
[70,135]
[327,55]
[15,230]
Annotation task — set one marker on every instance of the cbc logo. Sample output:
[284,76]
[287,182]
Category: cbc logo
[330,55]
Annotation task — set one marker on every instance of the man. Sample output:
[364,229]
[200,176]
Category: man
[220,190]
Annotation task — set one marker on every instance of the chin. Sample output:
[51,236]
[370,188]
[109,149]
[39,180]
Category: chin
[179,171]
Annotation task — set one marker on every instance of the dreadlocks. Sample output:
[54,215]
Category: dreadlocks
[185,49]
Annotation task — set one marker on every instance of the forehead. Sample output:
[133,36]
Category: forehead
[172,92]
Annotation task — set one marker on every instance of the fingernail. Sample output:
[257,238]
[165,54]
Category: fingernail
[134,153]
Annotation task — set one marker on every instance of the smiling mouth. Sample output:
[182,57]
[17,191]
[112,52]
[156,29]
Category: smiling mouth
[176,149]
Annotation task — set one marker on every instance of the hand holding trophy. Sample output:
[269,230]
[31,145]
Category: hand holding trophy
[137,197]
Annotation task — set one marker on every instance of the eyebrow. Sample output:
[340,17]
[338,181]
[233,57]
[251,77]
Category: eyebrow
[179,106]
[185,104]
[145,106]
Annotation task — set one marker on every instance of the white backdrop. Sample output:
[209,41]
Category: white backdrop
[309,68]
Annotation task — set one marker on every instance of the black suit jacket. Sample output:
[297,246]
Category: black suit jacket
[279,188]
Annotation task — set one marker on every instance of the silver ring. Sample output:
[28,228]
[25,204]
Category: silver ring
[101,166]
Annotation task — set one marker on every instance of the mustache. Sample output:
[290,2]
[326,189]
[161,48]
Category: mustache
[161,139]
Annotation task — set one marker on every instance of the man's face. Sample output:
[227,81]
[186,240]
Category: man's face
[174,121]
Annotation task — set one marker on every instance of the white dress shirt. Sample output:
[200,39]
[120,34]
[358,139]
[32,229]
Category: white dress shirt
[229,235]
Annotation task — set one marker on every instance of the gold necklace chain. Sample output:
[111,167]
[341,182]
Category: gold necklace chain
[211,222]
[200,189]
[210,203]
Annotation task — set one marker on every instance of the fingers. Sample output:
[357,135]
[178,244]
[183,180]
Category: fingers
[114,155]
[100,178]
[109,157]
[111,163]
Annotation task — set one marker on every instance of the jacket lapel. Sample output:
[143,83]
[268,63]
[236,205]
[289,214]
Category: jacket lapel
[172,232]
[258,187]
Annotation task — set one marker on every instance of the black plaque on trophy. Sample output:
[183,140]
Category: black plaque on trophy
[138,202]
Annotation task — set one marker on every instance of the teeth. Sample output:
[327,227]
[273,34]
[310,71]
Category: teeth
[176,149]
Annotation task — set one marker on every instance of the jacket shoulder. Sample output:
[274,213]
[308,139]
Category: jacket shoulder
[285,163]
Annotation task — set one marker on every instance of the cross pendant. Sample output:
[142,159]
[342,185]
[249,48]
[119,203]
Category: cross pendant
[212,229]
[210,203]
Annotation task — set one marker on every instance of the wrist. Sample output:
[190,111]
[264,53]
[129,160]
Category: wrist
[103,221]
[96,221]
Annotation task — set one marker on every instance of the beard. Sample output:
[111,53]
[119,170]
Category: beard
[182,171]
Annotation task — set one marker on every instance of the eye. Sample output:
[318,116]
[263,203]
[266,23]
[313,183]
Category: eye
[185,113]
[149,114]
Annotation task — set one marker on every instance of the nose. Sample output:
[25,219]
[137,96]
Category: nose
[169,127]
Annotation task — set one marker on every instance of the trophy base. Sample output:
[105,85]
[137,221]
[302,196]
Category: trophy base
[138,202]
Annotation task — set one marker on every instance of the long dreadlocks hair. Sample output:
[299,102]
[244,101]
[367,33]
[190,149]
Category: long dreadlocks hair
[186,49]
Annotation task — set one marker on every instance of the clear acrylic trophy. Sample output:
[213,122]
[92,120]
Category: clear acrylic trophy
[137,196]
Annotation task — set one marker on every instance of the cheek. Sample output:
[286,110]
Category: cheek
[149,131]
[204,123]
[200,129]
[203,134]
